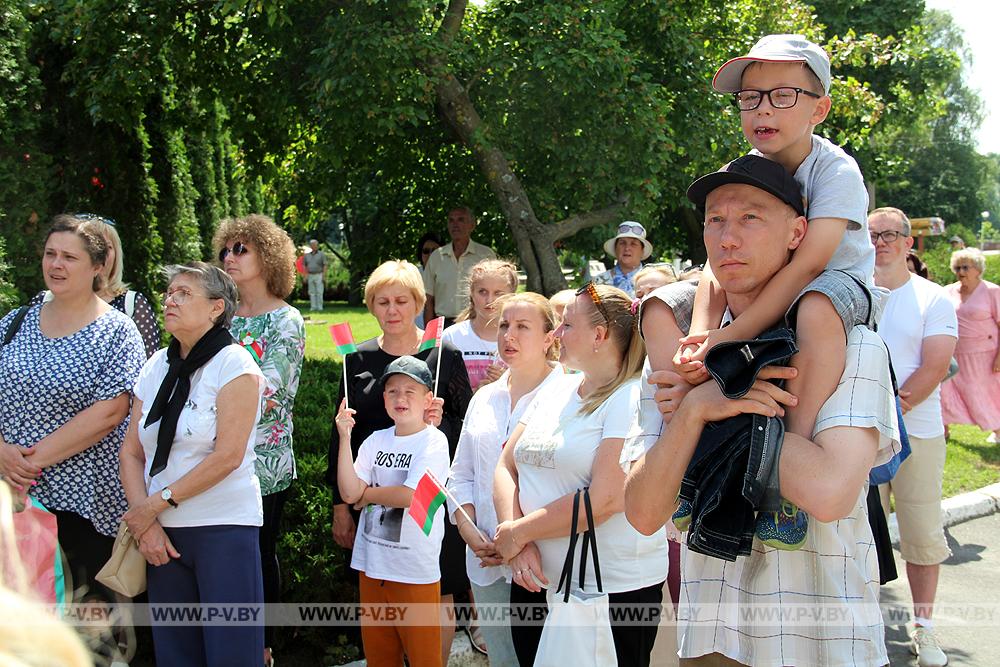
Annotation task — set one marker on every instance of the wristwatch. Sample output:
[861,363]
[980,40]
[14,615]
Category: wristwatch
[168,495]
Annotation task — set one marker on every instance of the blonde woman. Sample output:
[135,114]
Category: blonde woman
[394,294]
[526,340]
[572,438]
[475,333]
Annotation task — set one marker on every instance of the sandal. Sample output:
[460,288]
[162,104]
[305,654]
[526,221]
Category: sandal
[475,638]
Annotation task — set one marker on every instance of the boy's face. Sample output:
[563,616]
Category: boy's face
[406,399]
[774,131]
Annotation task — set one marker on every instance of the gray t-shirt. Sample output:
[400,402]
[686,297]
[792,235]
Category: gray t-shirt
[315,261]
[833,187]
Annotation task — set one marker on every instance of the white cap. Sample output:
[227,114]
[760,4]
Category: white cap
[629,229]
[775,49]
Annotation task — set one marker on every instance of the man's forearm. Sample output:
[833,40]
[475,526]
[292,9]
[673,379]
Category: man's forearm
[654,481]
[922,383]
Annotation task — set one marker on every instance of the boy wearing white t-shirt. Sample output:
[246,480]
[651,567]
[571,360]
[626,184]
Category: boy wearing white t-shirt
[398,563]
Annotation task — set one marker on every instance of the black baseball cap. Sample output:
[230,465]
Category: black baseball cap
[410,367]
[753,170]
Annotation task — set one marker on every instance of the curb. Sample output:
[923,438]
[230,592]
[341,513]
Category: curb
[958,509]
[462,654]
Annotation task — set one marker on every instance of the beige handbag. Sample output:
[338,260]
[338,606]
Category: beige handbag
[125,571]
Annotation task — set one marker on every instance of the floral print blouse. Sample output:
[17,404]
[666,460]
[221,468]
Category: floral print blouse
[277,342]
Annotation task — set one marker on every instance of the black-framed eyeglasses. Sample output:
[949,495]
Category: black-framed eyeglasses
[889,236]
[780,98]
[591,290]
[238,249]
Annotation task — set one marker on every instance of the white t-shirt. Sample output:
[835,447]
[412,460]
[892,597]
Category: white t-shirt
[833,187]
[488,424]
[390,545]
[555,456]
[917,310]
[827,591]
[234,501]
[477,353]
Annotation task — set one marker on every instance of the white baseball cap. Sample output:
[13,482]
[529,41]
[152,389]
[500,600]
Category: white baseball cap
[775,49]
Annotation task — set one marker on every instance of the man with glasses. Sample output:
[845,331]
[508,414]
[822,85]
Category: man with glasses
[920,328]
[629,248]
[447,271]
[315,263]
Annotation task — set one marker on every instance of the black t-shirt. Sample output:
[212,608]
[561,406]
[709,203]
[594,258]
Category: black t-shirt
[364,370]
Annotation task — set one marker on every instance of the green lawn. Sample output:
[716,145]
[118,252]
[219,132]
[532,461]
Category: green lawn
[972,462]
[319,344]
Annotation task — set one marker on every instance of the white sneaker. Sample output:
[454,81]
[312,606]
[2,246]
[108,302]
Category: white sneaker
[925,646]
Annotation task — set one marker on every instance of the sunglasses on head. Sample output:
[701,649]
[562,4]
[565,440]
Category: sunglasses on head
[590,290]
[94,216]
[631,228]
[238,249]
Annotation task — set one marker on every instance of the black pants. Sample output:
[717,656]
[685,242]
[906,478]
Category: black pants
[86,552]
[270,531]
[633,641]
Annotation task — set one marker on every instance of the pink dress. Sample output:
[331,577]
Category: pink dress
[973,395]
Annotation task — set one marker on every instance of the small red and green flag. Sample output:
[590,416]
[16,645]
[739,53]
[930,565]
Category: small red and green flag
[432,334]
[343,338]
[427,499]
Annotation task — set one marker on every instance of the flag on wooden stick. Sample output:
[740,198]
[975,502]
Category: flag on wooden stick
[428,498]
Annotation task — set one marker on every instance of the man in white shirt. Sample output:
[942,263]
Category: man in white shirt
[817,605]
[920,328]
[448,268]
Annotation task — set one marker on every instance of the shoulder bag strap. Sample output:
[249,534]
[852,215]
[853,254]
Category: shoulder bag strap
[130,302]
[566,578]
[15,325]
[590,536]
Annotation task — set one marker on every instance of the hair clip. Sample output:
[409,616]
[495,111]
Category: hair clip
[634,307]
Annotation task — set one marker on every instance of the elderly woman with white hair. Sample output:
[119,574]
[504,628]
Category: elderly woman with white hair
[187,466]
[973,395]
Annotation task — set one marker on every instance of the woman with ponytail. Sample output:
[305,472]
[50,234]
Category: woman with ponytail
[571,438]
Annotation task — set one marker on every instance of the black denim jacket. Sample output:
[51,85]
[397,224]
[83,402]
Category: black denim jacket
[734,471]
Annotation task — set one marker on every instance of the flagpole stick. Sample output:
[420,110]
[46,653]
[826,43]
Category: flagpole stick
[437,373]
[459,506]
[344,365]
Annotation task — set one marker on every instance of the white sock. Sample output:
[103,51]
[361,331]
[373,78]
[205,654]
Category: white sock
[923,622]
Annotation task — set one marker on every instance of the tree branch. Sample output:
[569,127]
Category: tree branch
[452,21]
[576,223]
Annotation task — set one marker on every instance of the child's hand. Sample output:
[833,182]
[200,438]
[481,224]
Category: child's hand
[434,414]
[689,361]
[345,419]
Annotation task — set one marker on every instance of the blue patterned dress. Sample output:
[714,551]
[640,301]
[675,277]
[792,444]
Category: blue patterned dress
[45,382]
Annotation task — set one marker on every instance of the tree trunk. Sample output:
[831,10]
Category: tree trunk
[534,240]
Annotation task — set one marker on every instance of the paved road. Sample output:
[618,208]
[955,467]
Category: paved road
[970,584]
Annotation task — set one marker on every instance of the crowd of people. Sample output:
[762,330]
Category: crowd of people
[731,429]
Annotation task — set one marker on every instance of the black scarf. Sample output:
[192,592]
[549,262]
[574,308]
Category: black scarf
[176,386]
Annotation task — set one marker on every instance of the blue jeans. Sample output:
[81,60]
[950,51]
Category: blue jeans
[499,644]
[218,565]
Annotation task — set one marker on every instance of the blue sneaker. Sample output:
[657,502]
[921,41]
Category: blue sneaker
[785,529]
[682,517]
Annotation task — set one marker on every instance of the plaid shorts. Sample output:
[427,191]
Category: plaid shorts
[855,303]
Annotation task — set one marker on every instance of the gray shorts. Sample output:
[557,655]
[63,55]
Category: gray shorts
[854,302]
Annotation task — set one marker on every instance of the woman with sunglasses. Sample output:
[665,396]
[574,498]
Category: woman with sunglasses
[570,438]
[972,396]
[66,375]
[630,249]
[116,292]
[260,258]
